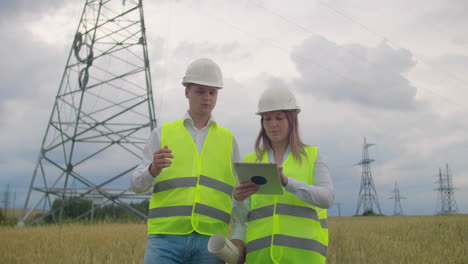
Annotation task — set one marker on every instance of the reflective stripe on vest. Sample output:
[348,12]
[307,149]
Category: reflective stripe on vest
[283,209]
[192,182]
[194,193]
[186,210]
[287,241]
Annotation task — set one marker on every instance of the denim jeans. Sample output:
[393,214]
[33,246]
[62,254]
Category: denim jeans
[179,249]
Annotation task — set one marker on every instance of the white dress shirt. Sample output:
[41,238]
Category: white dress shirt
[321,194]
[142,181]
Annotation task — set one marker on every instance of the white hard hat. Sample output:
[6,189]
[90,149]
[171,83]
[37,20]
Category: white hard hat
[205,72]
[275,99]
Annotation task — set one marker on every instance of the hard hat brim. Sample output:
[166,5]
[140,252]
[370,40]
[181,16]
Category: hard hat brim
[274,110]
[186,83]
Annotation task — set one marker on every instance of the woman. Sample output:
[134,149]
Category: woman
[287,228]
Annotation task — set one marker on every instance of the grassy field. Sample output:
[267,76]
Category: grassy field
[387,239]
[399,239]
[100,243]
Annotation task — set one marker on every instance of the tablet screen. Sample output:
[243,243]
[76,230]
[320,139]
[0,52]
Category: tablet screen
[265,175]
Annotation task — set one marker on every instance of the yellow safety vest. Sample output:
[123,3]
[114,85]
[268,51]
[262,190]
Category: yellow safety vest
[194,193]
[283,228]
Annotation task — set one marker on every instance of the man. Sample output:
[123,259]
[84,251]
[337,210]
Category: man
[189,163]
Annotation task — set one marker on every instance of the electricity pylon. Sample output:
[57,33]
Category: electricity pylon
[446,201]
[102,114]
[397,210]
[367,197]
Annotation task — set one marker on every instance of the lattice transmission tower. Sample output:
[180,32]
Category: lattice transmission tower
[102,114]
[446,199]
[367,197]
[397,210]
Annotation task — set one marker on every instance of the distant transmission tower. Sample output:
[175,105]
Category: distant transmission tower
[102,115]
[396,195]
[6,200]
[446,201]
[367,194]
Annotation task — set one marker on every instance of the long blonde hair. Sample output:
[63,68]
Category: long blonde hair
[263,143]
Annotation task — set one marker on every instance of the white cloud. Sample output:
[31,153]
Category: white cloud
[393,72]
[355,73]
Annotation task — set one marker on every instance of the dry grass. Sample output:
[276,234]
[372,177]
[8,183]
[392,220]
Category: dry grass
[388,239]
[399,239]
[100,243]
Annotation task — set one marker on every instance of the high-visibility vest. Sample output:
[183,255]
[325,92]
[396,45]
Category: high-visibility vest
[283,228]
[194,193]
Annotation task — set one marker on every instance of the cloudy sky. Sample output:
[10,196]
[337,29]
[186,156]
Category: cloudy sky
[394,72]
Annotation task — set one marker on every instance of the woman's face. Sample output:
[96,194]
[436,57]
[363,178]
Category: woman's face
[276,126]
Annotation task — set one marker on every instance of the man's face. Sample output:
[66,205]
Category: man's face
[202,98]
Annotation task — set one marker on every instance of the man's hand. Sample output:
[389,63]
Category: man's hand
[244,190]
[161,161]
[241,246]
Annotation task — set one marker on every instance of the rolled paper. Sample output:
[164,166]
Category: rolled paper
[224,249]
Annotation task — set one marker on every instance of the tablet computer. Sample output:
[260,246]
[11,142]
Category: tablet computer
[265,175]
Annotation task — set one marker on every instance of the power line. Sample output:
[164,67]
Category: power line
[367,197]
[446,198]
[355,21]
[397,210]
[393,43]
[165,58]
[81,129]
[5,202]
[302,58]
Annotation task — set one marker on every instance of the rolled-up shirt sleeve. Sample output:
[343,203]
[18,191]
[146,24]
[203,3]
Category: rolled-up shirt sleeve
[240,211]
[235,155]
[142,180]
[322,193]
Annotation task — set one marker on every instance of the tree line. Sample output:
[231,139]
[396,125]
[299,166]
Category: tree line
[83,210]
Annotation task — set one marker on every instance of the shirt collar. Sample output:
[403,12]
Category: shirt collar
[188,118]
[271,157]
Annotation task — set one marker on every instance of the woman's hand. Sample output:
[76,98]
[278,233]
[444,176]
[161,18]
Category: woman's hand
[284,178]
[245,190]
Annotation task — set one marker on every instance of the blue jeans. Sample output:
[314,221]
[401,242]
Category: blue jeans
[179,249]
